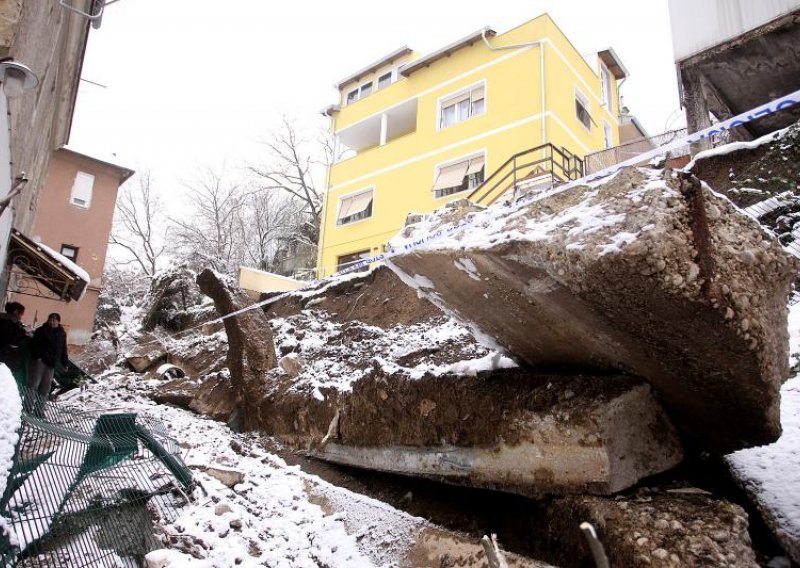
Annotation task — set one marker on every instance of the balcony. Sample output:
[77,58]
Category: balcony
[380,128]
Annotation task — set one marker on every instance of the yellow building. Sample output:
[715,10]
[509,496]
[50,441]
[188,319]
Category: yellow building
[421,130]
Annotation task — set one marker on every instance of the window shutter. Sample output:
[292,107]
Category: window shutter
[451,176]
[82,190]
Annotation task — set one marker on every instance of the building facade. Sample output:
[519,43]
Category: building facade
[74,219]
[421,130]
[49,40]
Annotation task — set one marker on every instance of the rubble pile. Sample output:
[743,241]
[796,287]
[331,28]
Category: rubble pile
[566,348]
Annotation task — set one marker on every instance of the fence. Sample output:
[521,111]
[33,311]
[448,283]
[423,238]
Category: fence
[86,487]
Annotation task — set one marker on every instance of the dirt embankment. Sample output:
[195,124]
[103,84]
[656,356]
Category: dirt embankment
[379,298]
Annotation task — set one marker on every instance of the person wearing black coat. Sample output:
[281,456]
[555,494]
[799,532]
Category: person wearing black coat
[12,334]
[48,349]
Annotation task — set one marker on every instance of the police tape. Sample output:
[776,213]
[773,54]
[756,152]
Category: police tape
[761,111]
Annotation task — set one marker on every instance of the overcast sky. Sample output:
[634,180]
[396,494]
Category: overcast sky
[191,83]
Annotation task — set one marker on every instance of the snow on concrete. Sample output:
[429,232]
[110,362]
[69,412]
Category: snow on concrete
[736,146]
[10,422]
[771,474]
[581,222]
[336,355]
[277,516]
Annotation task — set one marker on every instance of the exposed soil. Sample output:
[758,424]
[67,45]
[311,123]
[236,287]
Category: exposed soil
[379,298]
[770,168]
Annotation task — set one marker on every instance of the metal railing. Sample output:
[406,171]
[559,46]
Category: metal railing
[612,156]
[536,168]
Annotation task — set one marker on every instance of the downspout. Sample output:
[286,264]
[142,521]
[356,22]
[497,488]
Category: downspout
[540,44]
[324,212]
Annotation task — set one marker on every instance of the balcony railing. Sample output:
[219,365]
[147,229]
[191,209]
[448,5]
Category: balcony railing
[530,170]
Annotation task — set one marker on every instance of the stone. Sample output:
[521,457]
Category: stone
[655,547]
[292,364]
[227,476]
[143,358]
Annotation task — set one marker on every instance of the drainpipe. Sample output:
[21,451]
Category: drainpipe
[324,212]
[540,44]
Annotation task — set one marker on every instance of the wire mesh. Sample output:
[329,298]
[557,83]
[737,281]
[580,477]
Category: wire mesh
[86,488]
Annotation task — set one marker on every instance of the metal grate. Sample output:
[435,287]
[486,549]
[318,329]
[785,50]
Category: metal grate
[86,488]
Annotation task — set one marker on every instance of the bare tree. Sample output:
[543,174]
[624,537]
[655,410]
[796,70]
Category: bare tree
[291,167]
[140,226]
[212,235]
[266,219]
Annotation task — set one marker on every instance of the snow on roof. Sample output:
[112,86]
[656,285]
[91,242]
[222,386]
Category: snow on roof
[10,422]
[68,264]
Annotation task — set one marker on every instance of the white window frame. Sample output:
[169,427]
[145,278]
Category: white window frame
[368,252]
[584,100]
[80,201]
[606,87]
[456,94]
[359,90]
[465,158]
[378,78]
[341,198]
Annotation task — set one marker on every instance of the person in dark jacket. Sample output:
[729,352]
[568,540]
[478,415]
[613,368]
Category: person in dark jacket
[48,349]
[12,334]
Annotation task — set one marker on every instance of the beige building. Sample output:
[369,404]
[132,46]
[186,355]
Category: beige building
[74,217]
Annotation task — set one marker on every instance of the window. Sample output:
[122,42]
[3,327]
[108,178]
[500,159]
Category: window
[462,106]
[71,252]
[605,78]
[359,93]
[607,139]
[346,260]
[82,190]
[355,207]
[582,109]
[385,80]
[459,176]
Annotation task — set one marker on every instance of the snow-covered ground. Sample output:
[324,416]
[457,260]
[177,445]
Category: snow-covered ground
[338,354]
[10,417]
[771,474]
[277,516]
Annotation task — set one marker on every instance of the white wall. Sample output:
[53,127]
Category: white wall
[5,178]
[700,24]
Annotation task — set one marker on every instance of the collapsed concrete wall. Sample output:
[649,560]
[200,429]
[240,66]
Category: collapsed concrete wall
[647,274]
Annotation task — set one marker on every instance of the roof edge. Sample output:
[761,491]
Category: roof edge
[125,173]
[399,52]
[426,60]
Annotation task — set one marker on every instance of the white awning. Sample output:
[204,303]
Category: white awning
[354,204]
[475,165]
[451,176]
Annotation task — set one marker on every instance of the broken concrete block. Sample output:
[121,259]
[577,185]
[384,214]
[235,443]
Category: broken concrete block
[646,274]
[651,528]
[531,435]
